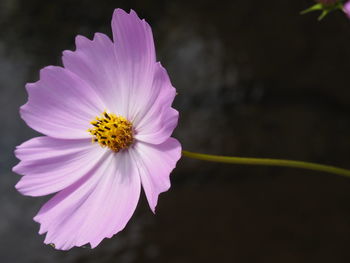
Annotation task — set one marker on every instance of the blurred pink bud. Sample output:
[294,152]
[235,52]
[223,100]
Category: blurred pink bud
[346,8]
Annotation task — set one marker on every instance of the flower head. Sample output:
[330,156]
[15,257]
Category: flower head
[107,119]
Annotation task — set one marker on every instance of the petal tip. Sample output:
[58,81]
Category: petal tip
[81,41]
[15,168]
[98,36]
[118,12]
[66,53]
[18,186]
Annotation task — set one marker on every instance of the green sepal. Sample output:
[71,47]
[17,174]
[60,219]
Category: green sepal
[325,9]
[312,8]
[323,14]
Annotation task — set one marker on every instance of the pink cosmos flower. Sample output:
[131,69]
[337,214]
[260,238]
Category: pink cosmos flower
[107,120]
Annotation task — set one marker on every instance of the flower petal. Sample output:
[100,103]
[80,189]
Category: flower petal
[155,162]
[61,104]
[157,122]
[97,206]
[94,61]
[50,165]
[135,60]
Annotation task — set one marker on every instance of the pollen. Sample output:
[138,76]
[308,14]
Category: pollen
[112,131]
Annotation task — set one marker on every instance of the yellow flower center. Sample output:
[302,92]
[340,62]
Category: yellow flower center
[112,131]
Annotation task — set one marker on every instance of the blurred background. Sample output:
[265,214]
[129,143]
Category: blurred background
[254,79]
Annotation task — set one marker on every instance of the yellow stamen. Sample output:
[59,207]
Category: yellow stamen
[112,131]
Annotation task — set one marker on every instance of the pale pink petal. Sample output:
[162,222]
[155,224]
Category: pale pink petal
[157,122]
[97,206]
[94,61]
[61,104]
[135,60]
[50,165]
[155,163]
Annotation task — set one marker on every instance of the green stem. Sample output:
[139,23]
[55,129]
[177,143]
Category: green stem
[267,162]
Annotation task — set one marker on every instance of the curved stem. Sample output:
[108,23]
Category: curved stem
[267,162]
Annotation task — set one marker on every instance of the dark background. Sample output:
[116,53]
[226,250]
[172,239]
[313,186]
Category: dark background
[254,79]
